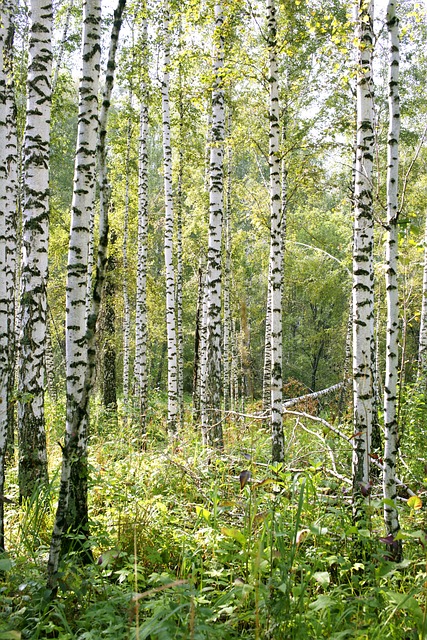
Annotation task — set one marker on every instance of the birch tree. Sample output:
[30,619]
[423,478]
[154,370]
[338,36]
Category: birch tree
[391,376]
[35,238]
[141,278]
[72,511]
[70,504]
[179,254]
[169,229]
[363,275]
[212,383]
[8,191]
[227,275]
[126,304]
[275,268]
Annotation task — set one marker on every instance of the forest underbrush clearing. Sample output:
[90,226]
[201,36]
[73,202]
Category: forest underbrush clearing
[190,543]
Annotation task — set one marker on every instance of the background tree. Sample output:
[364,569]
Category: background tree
[211,394]
[363,275]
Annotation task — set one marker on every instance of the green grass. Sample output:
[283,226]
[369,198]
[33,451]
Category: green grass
[183,552]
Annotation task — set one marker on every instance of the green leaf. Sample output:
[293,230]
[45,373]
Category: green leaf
[322,577]
[406,603]
[5,564]
[234,533]
[389,503]
[322,602]
[203,513]
[10,635]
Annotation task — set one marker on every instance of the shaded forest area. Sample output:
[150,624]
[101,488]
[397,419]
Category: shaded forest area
[213,319]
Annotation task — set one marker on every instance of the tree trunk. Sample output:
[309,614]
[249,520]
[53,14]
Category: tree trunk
[363,274]
[266,385]
[197,345]
[275,269]
[227,276]
[8,193]
[391,439]
[126,305]
[109,377]
[35,239]
[72,512]
[141,276]
[180,264]
[212,387]
[62,44]
[72,503]
[169,228]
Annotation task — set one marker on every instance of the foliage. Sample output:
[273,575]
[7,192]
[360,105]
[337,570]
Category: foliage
[184,549]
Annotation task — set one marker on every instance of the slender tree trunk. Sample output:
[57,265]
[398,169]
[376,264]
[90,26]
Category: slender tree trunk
[8,193]
[363,275]
[197,345]
[126,305]
[62,44]
[35,238]
[109,355]
[391,439]
[169,227]
[245,349]
[179,257]
[266,385]
[212,388]
[275,284]
[141,277]
[227,276]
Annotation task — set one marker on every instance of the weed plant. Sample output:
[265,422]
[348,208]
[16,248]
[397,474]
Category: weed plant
[193,544]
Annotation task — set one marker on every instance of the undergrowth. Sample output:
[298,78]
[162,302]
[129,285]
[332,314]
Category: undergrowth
[191,544]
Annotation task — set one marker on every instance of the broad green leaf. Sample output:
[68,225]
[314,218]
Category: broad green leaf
[406,602]
[10,635]
[322,602]
[234,533]
[5,564]
[322,577]
[203,513]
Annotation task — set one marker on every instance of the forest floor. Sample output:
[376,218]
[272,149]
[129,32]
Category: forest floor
[193,544]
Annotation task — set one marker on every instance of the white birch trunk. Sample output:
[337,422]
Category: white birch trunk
[197,368]
[35,239]
[275,270]
[72,511]
[266,383]
[8,191]
[126,305]
[76,289]
[169,228]
[11,217]
[227,277]
[179,257]
[363,275]
[211,398]
[391,519]
[62,44]
[141,278]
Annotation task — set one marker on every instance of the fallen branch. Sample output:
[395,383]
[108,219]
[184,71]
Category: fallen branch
[343,436]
